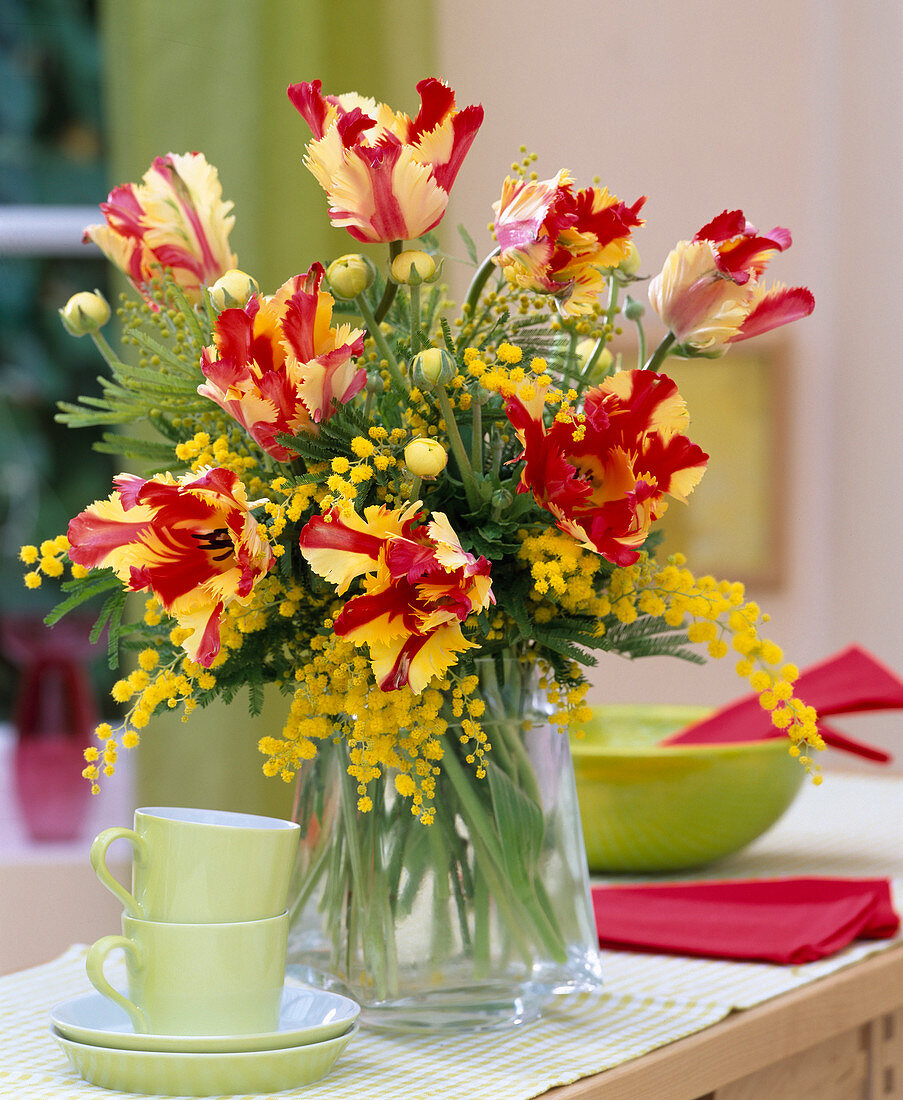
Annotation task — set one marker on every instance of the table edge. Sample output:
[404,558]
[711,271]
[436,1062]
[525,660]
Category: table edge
[751,1039]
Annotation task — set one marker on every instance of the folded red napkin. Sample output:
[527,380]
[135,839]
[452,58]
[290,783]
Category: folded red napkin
[789,921]
[850,681]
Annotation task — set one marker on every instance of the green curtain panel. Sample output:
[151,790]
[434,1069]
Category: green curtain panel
[210,75]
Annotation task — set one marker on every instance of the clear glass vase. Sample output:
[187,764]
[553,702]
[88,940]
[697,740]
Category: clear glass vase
[474,921]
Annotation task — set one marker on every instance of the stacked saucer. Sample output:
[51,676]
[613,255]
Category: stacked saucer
[99,1040]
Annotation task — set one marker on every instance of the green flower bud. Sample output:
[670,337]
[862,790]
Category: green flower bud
[85,312]
[350,275]
[633,310]
[425,457]
[231,289]
[433,367]
[630,265]
[412,267]
[501,500]
[585,349]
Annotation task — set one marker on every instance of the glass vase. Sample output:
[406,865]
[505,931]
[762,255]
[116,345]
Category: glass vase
[474,921]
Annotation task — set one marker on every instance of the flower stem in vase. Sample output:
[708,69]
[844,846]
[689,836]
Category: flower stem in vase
[500,853]
[369,903]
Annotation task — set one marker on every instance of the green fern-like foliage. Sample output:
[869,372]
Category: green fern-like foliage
[156,384]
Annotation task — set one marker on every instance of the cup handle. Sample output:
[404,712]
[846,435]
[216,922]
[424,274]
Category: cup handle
[97,954]
[99,862]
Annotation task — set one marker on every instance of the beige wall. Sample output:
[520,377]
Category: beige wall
[792,110]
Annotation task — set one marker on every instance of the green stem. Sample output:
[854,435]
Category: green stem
[441,931]
[461,878]
[495,460]
[415,319]
[110,357]
[661,353]
[641,344]
[397,825]
[415,487]
[588,366]
[489,852]
[391,288]
[591,363]
[508,729]
[611,309]
[477,283]
[371,903]
[457,444]
[481,926]
[381,343]
[570,362]
[311,877]
[476,435]
[520,770]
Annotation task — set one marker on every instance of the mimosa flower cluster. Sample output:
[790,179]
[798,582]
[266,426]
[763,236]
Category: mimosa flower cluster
[355,489]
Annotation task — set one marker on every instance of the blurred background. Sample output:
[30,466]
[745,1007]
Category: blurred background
[786,108]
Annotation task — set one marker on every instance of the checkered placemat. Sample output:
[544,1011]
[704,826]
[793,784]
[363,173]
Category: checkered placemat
[850,826]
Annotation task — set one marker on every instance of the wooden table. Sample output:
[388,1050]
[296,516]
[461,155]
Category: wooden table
[840,1038]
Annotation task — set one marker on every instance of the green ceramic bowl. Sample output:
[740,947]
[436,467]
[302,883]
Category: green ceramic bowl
[649,808]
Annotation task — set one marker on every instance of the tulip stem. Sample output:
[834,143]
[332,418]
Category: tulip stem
[661,353]
[641,344]
[415,487]
[591,363]
[415,319]
[495,461]
[457,445]
[381,343]
[571,365]
[476,436]
[100,342]
[479,281]
[391,287]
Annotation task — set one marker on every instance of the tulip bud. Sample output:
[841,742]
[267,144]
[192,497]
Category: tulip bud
[585,349]
[425,457]
[434,367]
[85,312]
[602,365]
[412,267]
[234,288]
[630,265]
[350,275]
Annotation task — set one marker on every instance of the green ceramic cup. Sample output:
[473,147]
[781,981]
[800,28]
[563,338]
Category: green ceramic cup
[202,866]
[197,979]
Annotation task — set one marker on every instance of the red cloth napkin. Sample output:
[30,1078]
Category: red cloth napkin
[789,921]
[850,681]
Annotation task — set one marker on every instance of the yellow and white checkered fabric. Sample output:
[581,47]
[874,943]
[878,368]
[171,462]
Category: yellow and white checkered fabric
[850,826]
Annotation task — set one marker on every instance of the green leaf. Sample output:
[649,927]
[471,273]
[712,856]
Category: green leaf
[113,444]
[82,591]
[648,637]
[560,642]
[75,417]
[518,821]
[114,626]
[255,698]
[469,245]
[447,336]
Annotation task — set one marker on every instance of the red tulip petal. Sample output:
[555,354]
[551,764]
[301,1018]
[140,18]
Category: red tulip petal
[777,307]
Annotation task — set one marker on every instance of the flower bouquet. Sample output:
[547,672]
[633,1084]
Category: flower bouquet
[421,522]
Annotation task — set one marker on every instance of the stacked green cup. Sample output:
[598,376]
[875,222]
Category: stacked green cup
[205,925]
